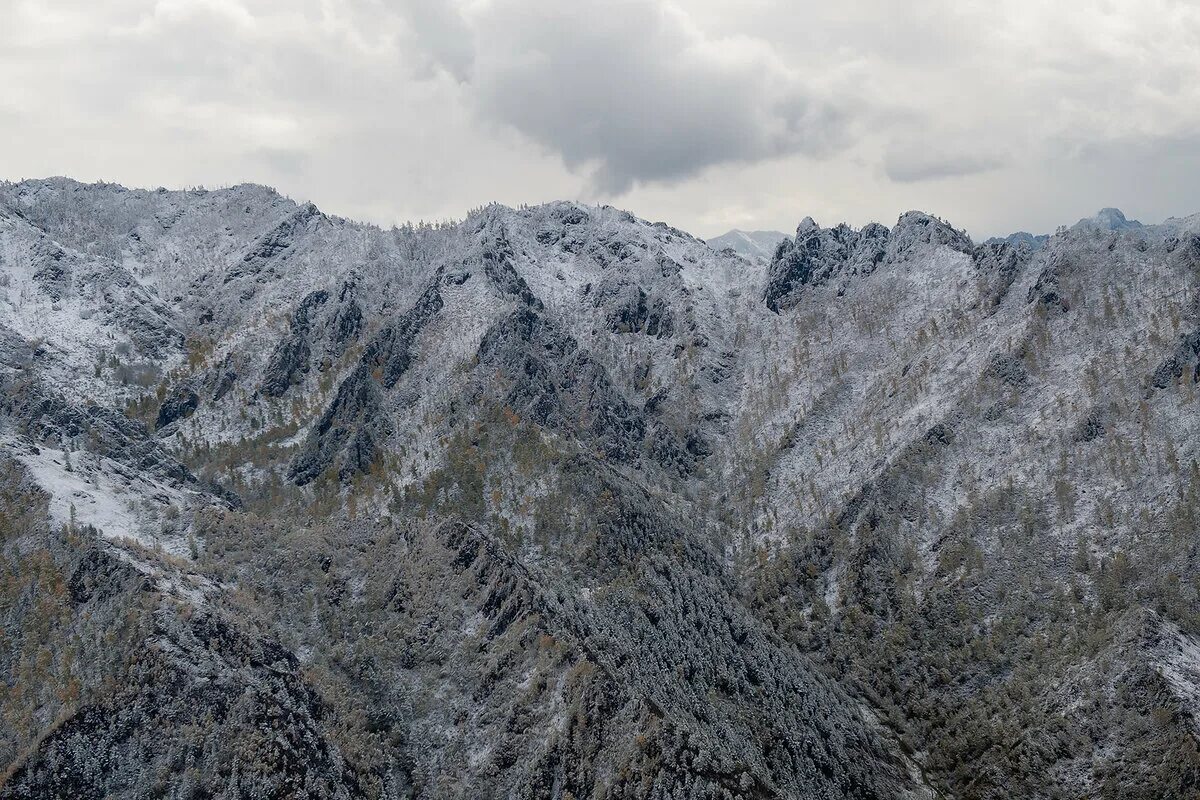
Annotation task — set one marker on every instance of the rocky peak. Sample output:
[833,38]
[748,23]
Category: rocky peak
[749,244]
[917,227]
[1108,219]
[819,255]
[807,226]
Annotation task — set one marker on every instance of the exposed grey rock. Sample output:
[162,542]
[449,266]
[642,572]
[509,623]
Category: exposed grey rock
[290,358]
[1034,242]
[350,433]
[1000,263]
[915,228]
[818,254]
[497,257]
[1091,427]
[550,378]
[277,242]
[1046,292]
[1181,358]
[46,416]
[179,404]
[55,272]
[225,380]
[1009,369]
[1109,219]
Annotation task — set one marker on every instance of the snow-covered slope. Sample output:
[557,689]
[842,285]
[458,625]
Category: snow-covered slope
[887,455]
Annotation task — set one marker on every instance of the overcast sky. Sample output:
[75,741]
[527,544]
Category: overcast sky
[709,114]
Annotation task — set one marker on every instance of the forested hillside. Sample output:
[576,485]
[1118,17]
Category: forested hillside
[557,502]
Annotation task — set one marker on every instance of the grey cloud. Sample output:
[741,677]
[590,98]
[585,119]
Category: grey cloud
[631,92]
[283,160]
[441,33]
[909,164]
[1148,177]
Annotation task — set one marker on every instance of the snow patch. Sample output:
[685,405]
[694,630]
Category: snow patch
[1178,662]
[92,490]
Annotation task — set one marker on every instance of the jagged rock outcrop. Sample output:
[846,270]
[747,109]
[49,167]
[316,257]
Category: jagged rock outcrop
[546,375]
[330,325]
[999,263]
[915,228]
[349,435]
[1045,292]
[1181,358]
[48,417]
[497,258]
[351,431]
[290,358]
[276,243]
[816,255]
[54,271]
[181,403]
[1110,219]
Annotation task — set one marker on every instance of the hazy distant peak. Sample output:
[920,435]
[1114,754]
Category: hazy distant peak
[751,244]
[1109,219]
[1033,241]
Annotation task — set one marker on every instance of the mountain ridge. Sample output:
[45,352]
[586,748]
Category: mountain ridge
[881,461]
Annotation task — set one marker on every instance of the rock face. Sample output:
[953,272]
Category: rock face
[556,502]
[334,324]
[181,404]
[1110,219]
[1185,356]
[349,434]
[819,255]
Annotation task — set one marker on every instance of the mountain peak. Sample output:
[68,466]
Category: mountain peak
[807,225]
[1109,219]
[918,227]
[749,244]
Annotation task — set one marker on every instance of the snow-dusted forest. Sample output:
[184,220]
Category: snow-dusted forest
[557,502]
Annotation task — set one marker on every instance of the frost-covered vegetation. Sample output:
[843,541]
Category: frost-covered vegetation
[556,502]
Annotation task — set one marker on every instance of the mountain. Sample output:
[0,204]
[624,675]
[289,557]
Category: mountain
[556,502]
[1032,241]
[749,244]
[1110,219]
